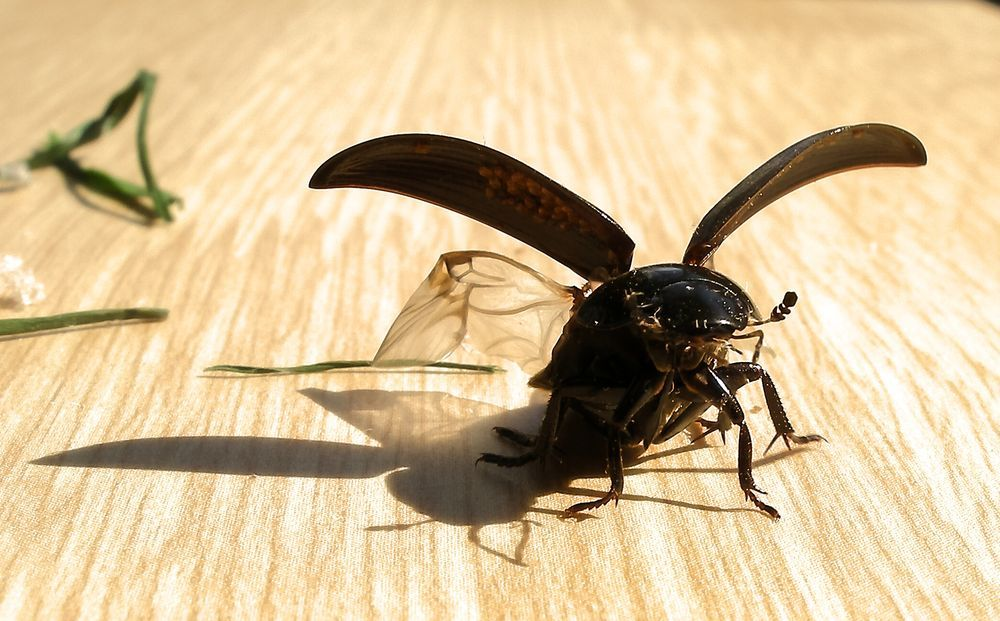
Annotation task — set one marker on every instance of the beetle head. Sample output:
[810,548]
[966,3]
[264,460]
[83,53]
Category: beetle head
[683,313]
[674,300]
[691,321]
[701,309]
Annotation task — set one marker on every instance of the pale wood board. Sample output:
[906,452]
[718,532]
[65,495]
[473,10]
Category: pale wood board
[354,494]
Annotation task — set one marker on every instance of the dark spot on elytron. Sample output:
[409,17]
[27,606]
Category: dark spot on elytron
[513,189]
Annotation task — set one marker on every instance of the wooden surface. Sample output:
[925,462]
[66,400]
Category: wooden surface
[134,486]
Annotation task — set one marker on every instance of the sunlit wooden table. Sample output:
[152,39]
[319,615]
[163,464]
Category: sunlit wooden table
[134,485]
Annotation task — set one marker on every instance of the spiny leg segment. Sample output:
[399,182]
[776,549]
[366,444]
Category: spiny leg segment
[538,446]
[751,372]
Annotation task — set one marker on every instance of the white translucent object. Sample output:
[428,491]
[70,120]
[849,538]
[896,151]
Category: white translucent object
[495,305]
[18,286]
[14,175]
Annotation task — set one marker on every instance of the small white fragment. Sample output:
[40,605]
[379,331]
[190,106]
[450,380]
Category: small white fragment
[18,286]
[14,175]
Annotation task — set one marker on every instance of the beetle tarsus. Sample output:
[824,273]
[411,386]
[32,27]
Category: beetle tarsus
[508,461]
[616,472]
[594,504]
[515,437]
[750,489]
[763,506]
[791,438]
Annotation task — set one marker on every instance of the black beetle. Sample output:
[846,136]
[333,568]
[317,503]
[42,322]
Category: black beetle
[641,353]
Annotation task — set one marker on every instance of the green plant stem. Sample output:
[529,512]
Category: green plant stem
[56,152]
[100,182]
[320,367]
[66,320]
[161,200]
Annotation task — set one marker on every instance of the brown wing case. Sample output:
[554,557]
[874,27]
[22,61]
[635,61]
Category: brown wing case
[826,153]
[490,187]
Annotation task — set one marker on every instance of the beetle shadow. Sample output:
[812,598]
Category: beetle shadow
[435,473]
[430,442]
[427,446]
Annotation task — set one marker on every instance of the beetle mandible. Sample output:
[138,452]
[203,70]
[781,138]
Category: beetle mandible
[640,353]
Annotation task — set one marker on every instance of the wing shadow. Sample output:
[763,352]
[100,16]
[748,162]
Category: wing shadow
[434,438]
[428,443]
[245,455]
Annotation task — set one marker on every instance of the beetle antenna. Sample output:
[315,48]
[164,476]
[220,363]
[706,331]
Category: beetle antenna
[782,310]
[778,313]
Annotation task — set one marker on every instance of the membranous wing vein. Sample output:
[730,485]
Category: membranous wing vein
[493,304]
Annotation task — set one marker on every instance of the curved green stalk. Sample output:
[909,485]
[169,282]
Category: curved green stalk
[56,152]
[25,325]
[320,367]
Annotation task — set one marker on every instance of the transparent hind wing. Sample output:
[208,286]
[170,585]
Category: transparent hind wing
[493,304]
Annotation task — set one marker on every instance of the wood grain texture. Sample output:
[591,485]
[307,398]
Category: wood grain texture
[133,486]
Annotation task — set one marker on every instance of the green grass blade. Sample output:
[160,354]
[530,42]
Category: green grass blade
[57,149]
[161,200]
[100,182]
[320,367]
[27,325]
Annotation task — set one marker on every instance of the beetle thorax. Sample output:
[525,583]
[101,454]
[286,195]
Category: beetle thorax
[684,314]
[689,321]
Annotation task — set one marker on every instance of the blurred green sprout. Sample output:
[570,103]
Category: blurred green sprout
[149,200]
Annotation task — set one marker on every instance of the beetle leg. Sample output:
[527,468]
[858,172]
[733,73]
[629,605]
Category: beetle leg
[638,394]
[537,447]
[733,381]
[746,472]
[681,421]
[706,383]
[722,424]
[616,471]
[515,437]
[756,334]
[751,372]
[668,408]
